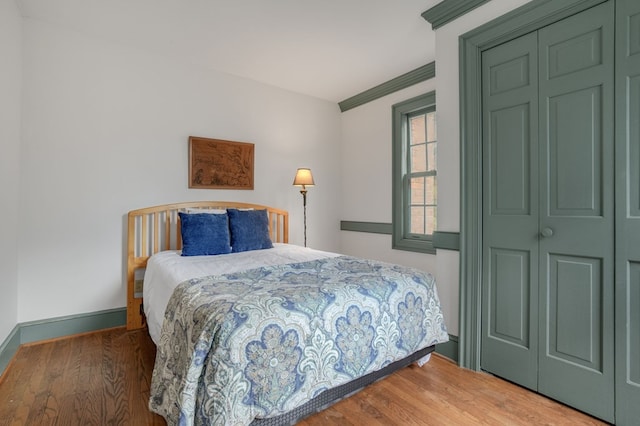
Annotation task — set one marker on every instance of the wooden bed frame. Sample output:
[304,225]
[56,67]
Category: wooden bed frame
[154,229]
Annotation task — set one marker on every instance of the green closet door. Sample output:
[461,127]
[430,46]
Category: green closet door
[576,363]
[510,211]
[628,212]
[548,222]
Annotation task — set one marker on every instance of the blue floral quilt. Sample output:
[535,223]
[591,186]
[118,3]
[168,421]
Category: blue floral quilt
[261,342]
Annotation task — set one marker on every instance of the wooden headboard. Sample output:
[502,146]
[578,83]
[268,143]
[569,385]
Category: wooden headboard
[154,229]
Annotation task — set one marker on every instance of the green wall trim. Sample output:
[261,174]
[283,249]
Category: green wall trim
[446,240]
[416,76]
[33,331]
[441,239]
[73,324]
[372,227]
[525,19]
[9,347]
[448,10]
[449,349]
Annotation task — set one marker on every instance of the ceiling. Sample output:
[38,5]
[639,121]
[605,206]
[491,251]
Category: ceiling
[329,49]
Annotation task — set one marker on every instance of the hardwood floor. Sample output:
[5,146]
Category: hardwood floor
[103,379]
[94,379]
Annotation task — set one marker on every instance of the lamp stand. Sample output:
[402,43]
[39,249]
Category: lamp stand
[303,191]
[303,179]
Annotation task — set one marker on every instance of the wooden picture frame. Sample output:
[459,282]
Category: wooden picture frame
[220,164]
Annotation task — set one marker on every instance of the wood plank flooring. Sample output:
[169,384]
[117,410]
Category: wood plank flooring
[94,379]
[103,378]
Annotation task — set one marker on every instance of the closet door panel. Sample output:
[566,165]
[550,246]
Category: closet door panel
[509,290]
[575,289]
[574,135]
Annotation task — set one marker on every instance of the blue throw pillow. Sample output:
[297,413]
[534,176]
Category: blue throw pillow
[249,230]
[204,234]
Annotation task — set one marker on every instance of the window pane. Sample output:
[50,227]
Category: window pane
[431,126]
[431,190]
[431,156]
[417,190]
[417,134]
[431,220]
[419,158]
[417,220]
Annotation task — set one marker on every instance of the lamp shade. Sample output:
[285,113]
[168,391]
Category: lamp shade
[303,178]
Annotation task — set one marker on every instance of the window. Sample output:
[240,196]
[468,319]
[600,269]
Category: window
[415,174]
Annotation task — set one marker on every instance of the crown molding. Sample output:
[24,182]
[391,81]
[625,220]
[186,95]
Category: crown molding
[416,76]
[448,10]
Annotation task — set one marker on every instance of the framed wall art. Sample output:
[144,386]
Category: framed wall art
[220,164]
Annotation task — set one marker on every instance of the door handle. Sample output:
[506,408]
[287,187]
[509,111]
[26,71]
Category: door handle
[547,232]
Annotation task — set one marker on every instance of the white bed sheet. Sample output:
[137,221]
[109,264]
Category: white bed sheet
[166,269]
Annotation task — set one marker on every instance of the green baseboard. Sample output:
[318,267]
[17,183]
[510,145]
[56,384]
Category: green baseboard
[9,347]
[449,349]
[34,331]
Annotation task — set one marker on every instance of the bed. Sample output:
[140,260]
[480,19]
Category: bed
[252,330]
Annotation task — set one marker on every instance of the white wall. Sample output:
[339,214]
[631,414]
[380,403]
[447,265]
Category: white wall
[106,131]
[367,197]
[10,93]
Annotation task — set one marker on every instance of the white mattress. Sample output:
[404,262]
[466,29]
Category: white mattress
[167,269]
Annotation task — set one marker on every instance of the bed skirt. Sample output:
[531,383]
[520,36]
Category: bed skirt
[331,396]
